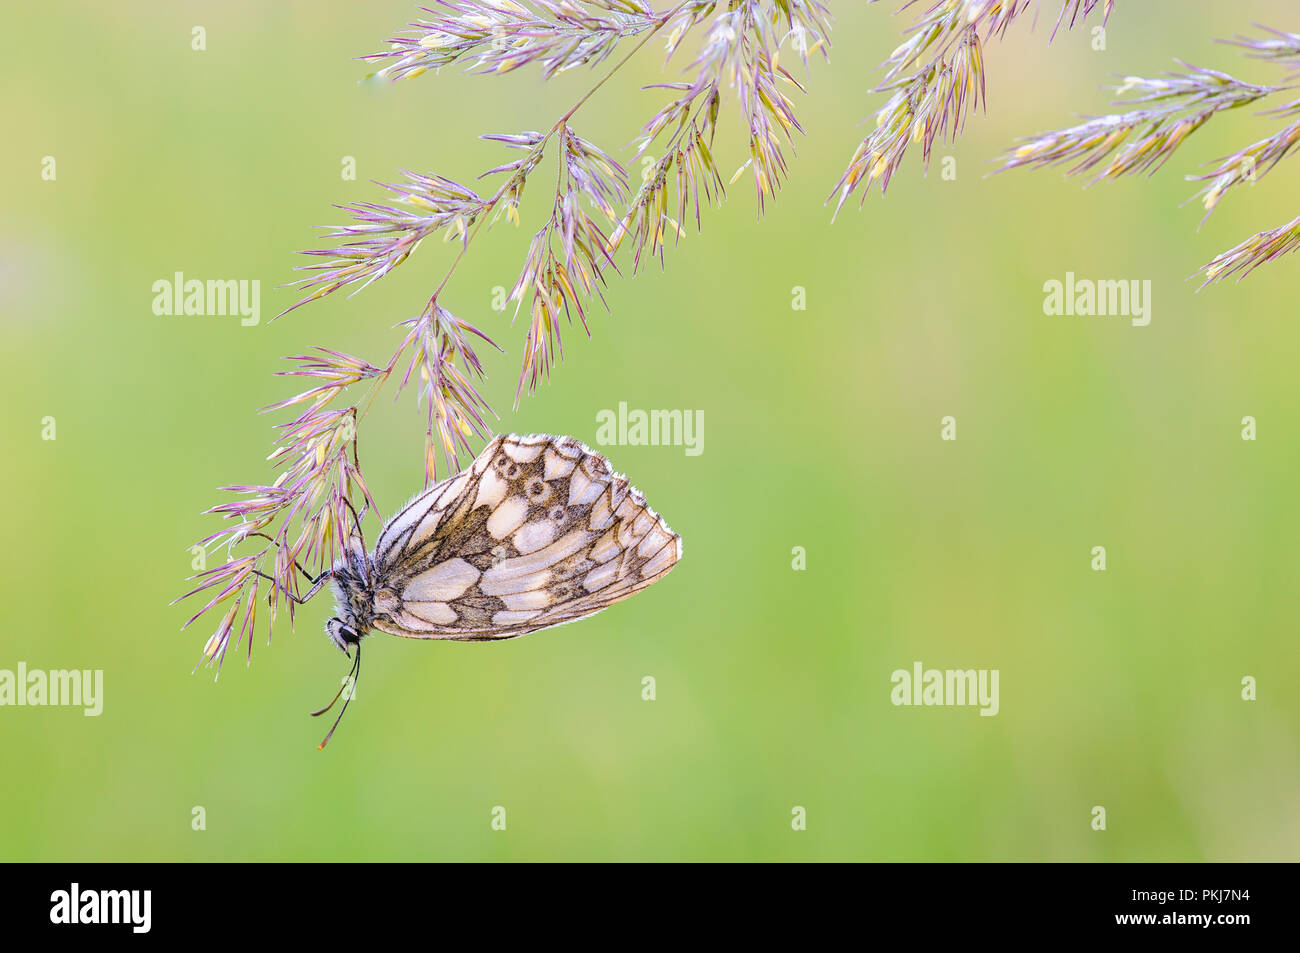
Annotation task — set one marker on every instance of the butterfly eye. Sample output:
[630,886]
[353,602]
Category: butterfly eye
[538,490]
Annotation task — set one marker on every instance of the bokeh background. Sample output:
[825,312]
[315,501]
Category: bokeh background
[1119,689]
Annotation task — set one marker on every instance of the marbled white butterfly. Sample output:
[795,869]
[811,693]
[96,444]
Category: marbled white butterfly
[538,531]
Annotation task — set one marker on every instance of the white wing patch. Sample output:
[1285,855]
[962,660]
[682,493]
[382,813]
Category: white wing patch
[508,517]
[419,615]
[446,580]
[534,536]
[539,530]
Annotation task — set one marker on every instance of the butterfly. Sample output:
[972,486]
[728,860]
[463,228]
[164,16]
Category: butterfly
[536,532]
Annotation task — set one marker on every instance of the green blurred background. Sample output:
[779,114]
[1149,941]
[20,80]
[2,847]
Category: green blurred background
[1119,689]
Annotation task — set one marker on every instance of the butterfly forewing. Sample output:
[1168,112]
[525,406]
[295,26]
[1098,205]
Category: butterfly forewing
[416,523]
[538,531]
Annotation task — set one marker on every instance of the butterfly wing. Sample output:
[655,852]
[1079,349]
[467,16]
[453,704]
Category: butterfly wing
[538,531]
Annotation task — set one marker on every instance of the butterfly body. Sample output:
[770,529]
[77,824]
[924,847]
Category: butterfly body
[537,531]
[354,597]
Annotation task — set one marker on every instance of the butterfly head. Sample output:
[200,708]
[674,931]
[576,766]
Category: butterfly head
[343,634]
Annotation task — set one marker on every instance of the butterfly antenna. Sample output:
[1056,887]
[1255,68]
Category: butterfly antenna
[351,686]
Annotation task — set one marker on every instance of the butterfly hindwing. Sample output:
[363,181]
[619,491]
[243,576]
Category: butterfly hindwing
[539,530]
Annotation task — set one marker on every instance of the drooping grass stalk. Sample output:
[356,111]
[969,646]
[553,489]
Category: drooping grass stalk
[320,494]
[1168,110]
[933,81]
[935,78]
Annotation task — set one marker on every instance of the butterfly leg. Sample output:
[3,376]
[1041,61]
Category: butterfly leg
[295,562]
[300,600]
[356,520]
[316,584]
